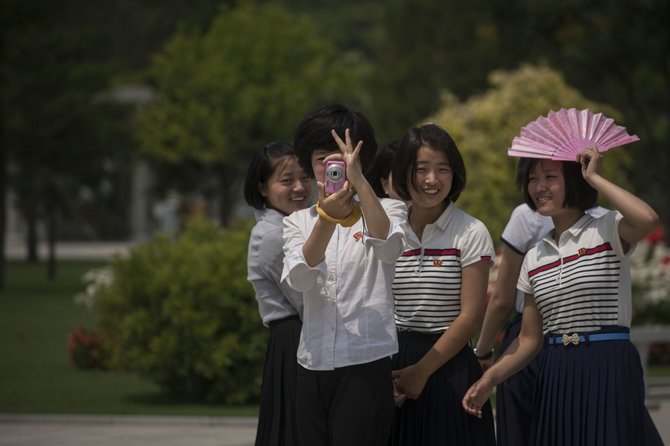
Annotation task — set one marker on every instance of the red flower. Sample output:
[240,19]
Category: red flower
[656,237]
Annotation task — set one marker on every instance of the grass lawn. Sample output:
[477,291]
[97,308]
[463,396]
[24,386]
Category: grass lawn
[35,373]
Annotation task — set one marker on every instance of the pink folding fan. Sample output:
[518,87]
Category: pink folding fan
[563,134]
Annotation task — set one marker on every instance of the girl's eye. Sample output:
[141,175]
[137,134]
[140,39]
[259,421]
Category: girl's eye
[420,169]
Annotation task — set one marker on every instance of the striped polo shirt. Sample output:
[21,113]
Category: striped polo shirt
[582,283]
[427,282]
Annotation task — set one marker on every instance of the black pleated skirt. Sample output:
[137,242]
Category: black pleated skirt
[514,397]
[591,394]
[437,417]
[276,417]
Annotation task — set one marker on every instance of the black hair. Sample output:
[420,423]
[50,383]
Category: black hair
[381,168]
[578,193]
[404,166]
[522,168]
[313,133]
[261,168]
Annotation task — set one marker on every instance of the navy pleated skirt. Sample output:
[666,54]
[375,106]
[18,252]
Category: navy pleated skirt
[514,397]
[276,417]
[437,417]
[591,394]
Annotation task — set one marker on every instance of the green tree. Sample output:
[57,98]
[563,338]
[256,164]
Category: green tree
[223,94]
[484,126]
[618,53]
[53,132]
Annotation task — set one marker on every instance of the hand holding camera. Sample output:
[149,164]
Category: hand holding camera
[336,175]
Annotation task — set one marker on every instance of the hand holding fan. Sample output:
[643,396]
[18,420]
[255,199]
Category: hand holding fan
[563,134]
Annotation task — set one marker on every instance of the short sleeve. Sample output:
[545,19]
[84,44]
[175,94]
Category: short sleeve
[477,245]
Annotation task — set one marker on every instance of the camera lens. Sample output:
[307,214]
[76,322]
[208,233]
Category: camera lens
[334,173]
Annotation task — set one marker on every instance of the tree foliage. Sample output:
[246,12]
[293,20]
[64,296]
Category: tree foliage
[617,53]
[246,81]
[484,126]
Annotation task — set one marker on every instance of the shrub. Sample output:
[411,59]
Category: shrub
[183,314]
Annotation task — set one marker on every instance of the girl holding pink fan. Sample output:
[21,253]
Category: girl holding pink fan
[589,388]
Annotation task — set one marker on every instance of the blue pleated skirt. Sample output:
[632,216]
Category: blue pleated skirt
[437,417]
[591,394]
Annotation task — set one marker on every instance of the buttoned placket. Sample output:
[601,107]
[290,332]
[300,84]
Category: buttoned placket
[331,298]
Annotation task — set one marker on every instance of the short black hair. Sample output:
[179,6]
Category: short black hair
[313,133]
[381,168]
[404,166]
[578,193]
[522,168]
[261,167]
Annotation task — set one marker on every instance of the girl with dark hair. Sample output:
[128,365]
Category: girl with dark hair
[514,396]
[341,254]
[589,389]
[440,296]
[276,186]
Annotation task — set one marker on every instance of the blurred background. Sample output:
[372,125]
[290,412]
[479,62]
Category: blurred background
[130,124]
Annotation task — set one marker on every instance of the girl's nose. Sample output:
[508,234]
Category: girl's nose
[430,178]
[298,185]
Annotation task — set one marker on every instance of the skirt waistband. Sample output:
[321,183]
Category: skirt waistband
[576,338]
[284,319]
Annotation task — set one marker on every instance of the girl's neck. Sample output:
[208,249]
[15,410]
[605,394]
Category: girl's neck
[565,220]
[419,218]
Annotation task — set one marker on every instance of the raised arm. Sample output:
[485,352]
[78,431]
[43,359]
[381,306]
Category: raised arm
[639,219]
[376,220]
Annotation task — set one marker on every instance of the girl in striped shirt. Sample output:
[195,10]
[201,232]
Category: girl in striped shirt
[589,388]
[439,291]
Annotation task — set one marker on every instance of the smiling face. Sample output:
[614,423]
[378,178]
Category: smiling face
[433,178]
[546,187]
[289,188]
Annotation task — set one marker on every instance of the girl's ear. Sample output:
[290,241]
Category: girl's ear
[262,188]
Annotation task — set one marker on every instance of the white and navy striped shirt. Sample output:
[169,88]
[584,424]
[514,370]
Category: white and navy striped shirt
[427,282]
[582,283]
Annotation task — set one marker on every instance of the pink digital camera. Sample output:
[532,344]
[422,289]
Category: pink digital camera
[336,175]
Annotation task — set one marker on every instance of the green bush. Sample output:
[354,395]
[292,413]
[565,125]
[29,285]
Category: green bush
[183,314]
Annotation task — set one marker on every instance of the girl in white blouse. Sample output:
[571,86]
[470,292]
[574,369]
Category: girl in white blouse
[341,254]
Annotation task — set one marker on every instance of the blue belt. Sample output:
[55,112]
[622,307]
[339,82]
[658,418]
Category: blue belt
[576,339]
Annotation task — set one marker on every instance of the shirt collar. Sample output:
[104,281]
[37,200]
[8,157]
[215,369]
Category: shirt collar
[443,220]
[573,231]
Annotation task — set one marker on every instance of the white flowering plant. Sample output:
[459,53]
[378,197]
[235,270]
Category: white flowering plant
[650,277]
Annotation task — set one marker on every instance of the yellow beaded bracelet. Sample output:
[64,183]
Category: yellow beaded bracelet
[349,220]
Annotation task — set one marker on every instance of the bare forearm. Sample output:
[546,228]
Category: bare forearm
[496,314]
[635,211]
[449,344]
[520,352]
[315,246]
[376,220]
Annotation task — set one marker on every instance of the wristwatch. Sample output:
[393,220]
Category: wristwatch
[485,357]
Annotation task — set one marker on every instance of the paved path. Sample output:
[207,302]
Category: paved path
[103,430]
